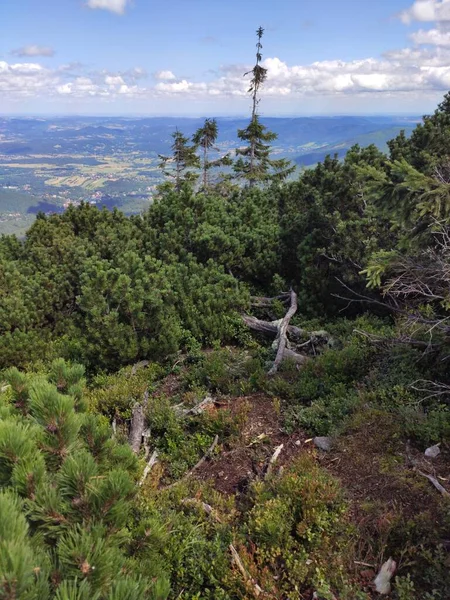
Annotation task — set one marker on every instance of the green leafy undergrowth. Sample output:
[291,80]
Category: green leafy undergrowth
[292,534]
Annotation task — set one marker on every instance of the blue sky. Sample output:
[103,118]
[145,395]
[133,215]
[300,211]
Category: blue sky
[187,57]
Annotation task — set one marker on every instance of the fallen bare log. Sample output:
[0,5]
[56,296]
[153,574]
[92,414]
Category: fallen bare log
[257,590]
[281,339]
[138,424]
[270,328]
[149,466]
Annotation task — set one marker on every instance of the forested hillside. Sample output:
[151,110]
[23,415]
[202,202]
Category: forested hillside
[241,393]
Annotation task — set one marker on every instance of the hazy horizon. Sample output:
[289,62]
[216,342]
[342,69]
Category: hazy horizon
[204,115]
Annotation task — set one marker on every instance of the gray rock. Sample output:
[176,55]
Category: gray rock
[323,443]
[433,451]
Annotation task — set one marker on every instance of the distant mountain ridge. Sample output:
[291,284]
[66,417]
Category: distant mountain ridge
[306,140]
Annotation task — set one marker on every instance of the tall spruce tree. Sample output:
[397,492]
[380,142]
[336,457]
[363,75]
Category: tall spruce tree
[255,164]
[184,158]
[205,138]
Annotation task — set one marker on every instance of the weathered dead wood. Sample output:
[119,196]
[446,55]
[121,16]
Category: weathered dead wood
[138,424]
[415,464]
[435,482]
[257,590]
[299,359]
[146,434]
[281,339]
[195,410]
[274,459]
[196,466]
[270,328]
[149,466]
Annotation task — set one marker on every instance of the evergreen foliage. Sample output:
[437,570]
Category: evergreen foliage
[205,139]
[184,158]
[254,164]
[64,498]
[365,243]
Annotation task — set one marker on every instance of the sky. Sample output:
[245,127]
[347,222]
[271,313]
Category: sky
[188,57]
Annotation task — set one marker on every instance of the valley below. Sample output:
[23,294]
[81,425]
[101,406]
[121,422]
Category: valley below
[47,164]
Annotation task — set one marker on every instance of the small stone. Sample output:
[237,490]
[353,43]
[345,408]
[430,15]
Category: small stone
[383,579]
[433,451]
[298,443]
[220,474]
[323,443]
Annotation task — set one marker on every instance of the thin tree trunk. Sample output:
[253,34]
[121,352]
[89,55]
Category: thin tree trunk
[282,333]
[205,171]
[138,424]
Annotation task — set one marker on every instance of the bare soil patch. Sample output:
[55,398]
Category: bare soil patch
[247,458]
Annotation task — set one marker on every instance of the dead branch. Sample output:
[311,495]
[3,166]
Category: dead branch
[263,302]
[148,467]
[198,465]
[207,508]
[415,463]
[431,388]
[281,339]
[138,424]
[299,359]
[361,298]
[407,340]
[435,482]
[195,410]
[270,328]
[274,459]
[257,590]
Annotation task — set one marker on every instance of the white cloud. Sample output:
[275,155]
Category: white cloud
[164,76]
[181,87]
[427,11]
[408,70]
[115,6]
[114,80]
[21,80]
[130,90]
[34,50]
[433,37]
[419,71]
